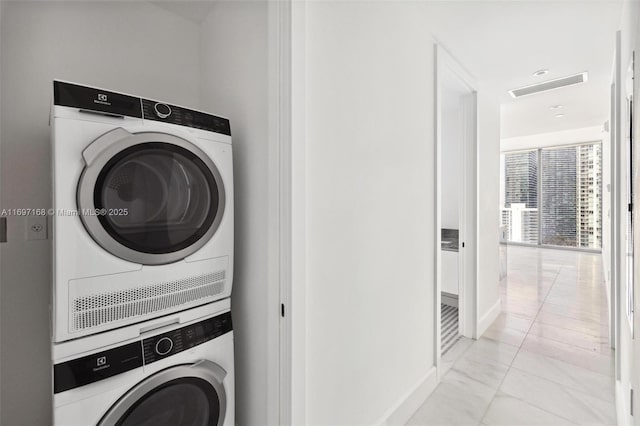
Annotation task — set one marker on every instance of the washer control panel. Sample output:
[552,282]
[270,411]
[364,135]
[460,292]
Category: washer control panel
[102,365]
[163,345]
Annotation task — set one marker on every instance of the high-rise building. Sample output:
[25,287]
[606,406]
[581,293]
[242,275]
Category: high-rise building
[589,187]
[506,221]
[521,196]
[559,198]
[521,179]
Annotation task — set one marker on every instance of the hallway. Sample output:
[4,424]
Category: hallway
[546,359]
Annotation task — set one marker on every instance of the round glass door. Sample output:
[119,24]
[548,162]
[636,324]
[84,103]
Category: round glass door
[158,198]
[181,402]
[150,198]
[183,395]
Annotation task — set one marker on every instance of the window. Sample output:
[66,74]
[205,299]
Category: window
[520,210]
[553,196]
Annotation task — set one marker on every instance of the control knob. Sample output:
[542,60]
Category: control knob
[162,110]
[164,346]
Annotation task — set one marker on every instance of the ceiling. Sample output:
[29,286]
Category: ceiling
[195,11]
[502,43]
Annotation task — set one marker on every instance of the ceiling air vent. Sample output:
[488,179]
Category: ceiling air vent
[549,85]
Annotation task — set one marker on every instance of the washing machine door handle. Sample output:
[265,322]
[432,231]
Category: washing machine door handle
[205,370]
[103,143]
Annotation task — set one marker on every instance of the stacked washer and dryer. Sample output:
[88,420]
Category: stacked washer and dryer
[142,262]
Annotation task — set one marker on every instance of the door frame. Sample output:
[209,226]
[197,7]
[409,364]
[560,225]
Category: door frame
[616,228]
[287,210]
[468,232]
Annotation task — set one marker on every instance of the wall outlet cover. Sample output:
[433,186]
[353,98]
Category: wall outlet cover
[36,228]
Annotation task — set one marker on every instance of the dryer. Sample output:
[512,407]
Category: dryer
[142,209]
[173,375]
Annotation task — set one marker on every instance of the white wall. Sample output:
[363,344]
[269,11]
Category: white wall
[115,45]
[370,208]
[452,93]
[488,206]
[542,140]
[235,75]
[370,224]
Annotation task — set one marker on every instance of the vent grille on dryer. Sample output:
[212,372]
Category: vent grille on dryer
[104,308]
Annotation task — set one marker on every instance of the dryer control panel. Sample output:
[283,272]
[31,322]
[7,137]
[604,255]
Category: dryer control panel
[111,362]
[158,111]
[185,338]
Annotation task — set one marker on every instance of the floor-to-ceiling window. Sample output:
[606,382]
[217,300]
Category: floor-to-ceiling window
[553,196]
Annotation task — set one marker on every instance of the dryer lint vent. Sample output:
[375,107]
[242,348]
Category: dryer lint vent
[110,307]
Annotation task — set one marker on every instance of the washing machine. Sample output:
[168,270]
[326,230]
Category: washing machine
[169,375]
[142,209]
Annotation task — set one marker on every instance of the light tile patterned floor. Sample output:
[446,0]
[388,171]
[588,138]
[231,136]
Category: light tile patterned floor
[545,361]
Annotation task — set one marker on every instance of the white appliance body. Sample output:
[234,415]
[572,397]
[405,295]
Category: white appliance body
[112,269]
[157,377]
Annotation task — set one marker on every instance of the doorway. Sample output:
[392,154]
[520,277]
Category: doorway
[456,137]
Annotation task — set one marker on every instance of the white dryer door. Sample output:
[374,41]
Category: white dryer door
[149,197]
[185,395]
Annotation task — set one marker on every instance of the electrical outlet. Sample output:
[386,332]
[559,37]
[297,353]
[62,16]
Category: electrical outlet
[36,228]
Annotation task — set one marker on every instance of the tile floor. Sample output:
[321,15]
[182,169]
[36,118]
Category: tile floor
[544,361]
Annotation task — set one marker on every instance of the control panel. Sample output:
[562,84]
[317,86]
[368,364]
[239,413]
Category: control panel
[170,343]
[102,365]
[166,113]
[94,100]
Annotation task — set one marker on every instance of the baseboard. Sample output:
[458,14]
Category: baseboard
[488,318]
[402,411]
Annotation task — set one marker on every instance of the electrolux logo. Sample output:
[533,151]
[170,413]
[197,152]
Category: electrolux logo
[102,99]
[101,363]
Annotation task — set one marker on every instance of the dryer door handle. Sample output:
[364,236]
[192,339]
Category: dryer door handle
[103,143]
